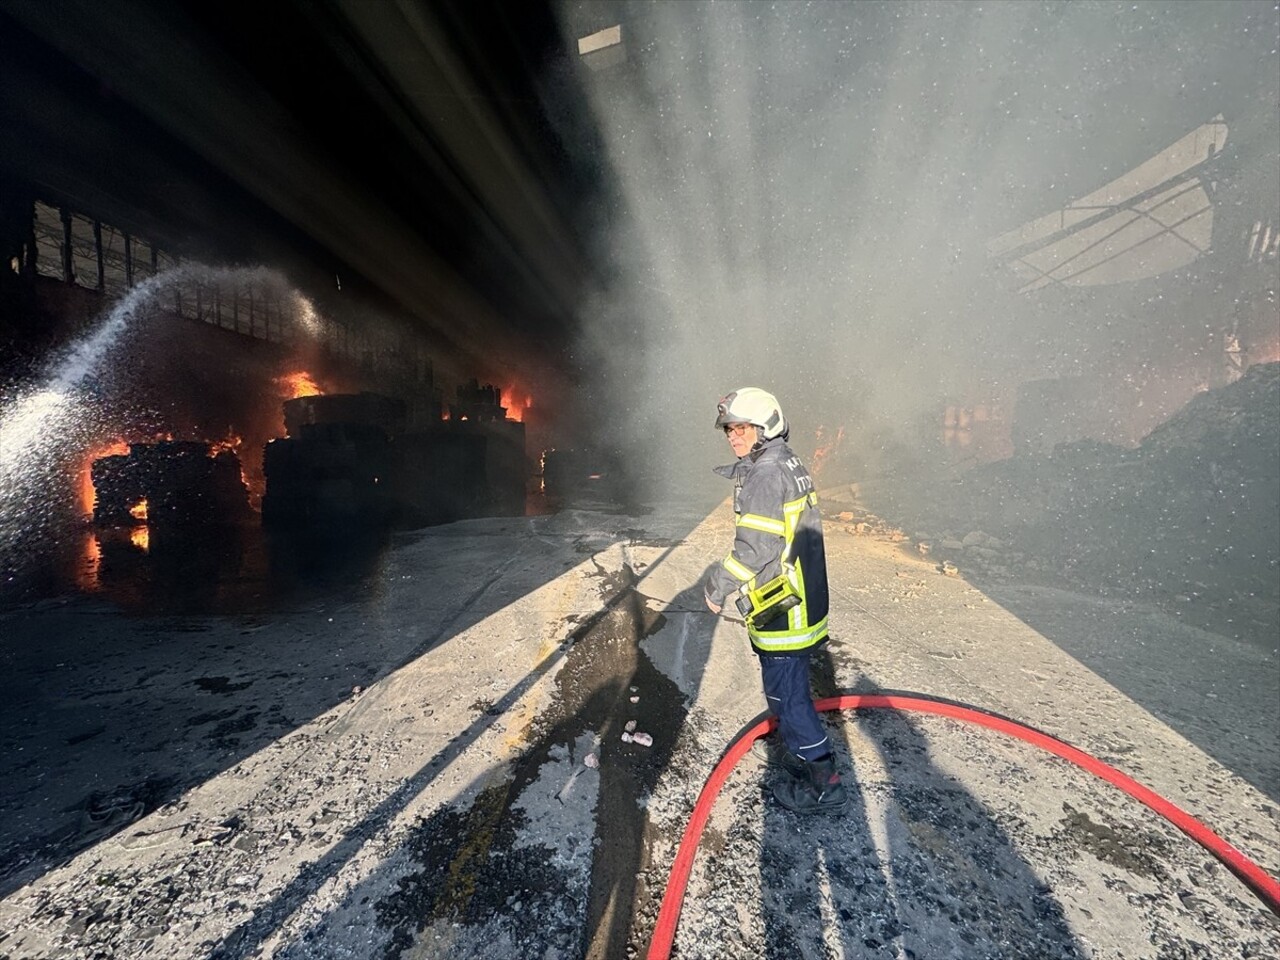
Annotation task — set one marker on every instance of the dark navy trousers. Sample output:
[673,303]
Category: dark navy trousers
[786,688]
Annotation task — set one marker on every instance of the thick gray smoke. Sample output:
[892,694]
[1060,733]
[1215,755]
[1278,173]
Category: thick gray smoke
[806,194]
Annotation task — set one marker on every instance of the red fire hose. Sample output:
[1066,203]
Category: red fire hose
[1253,876]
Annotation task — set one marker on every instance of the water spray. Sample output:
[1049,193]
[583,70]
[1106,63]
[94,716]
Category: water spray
[47,429]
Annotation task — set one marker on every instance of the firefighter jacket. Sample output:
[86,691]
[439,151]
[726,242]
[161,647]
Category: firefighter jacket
[777,529]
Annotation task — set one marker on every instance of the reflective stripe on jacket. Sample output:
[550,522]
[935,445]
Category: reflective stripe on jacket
[776,519]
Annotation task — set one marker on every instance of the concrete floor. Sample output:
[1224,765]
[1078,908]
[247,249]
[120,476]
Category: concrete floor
[394,763]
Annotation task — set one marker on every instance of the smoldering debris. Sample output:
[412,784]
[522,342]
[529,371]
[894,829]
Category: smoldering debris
[1192,514]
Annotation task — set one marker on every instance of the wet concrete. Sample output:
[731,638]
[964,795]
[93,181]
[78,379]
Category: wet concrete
[401,769]
[216,570]
[603,672]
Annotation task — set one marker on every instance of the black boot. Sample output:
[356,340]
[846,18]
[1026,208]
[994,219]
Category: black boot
[774,752]
[819,788]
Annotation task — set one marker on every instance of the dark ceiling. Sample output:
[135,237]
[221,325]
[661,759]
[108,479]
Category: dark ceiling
[402,149]
[438,158]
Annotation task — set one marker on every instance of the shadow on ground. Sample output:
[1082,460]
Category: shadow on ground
[545,855]
[937,877]
[110,715]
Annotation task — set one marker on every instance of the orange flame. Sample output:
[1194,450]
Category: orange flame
[140,537]
[299,384]
[85,474]
[139,510]
[230,443]
[517,401]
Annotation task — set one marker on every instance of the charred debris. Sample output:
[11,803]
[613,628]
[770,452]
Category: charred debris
[1191,515]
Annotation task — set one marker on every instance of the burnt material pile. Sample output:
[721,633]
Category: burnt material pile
[171,483]
[460,469]
[1192,513]
[442,476]
[387,414]
[476,402]
[337,463]
[329,472]
[1212,477]
[348,461]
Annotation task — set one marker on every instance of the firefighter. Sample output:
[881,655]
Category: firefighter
[778,532]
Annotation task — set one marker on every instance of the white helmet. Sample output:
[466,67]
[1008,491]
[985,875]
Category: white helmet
[755,406]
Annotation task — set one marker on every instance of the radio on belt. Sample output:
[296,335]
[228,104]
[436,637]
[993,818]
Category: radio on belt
[765,602]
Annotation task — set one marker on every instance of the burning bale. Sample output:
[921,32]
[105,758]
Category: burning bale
[476,402]
[479,411]
[347,459]
[337,462]
[331,472]
[506,472]
[169,483]
[369,409]
[118,489]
